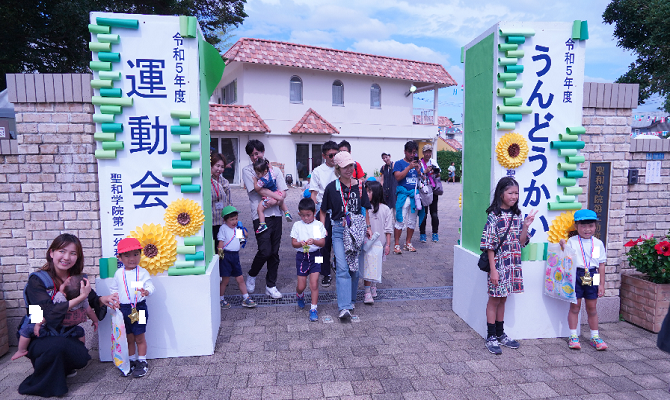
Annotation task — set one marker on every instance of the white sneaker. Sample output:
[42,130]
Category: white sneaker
[373,291]
[251,283]
[368,298]
[273,292]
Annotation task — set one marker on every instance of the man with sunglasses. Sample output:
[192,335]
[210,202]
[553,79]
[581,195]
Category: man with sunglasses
[321,177]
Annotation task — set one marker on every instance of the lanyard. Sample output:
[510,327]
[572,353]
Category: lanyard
[137,278]
[231,239]
[215,185]
[586,266]
[345,203]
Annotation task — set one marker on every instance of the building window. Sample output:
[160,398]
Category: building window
[338,93]
[229,93]
[375,96]
[296,89]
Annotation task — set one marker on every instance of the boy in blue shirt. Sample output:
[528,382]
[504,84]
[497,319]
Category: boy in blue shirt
[406,172]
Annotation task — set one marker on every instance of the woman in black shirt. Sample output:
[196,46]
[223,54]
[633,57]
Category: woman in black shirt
[345,200]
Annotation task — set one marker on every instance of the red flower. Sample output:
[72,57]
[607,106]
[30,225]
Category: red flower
[631,243]
[663,248]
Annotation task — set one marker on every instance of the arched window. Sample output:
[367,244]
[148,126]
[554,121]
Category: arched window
[375,96]
[296,89]
[338,93]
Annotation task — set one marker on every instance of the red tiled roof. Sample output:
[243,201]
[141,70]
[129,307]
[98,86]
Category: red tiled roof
[312,122]
[260,51]
[444,121]
[235,118]
[453,143]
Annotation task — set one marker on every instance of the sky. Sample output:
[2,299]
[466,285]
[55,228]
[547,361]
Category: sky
[427,30]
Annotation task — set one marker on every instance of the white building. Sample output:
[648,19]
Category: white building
[294,98]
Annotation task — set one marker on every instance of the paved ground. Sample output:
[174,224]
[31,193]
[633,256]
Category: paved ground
[407,349]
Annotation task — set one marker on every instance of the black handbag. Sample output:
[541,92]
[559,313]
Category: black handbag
[483,262]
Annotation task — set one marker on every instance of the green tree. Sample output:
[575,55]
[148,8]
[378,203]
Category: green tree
[51,36]
[643,27]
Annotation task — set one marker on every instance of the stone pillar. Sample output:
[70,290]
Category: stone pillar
[51,186]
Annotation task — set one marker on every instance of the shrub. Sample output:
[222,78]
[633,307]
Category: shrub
[651,257]
[444,160]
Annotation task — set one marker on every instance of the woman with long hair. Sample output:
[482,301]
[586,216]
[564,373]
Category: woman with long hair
[54,357]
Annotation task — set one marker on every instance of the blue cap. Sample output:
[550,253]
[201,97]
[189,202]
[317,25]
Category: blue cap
[372,178]
[585,215]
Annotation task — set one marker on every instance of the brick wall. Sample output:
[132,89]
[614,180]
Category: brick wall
[634,209]
[49,188]
[607,139]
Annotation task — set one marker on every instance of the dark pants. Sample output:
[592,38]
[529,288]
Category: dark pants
[215,234]
[268,250]
[53,358]
[325,250]
[434,221]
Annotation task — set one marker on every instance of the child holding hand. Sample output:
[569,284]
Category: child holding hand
[591,254]
[133,285]
[308,236]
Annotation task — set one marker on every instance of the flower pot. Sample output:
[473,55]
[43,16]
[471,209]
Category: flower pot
[644,303]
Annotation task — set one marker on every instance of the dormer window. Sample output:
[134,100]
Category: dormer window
[296,89]
[338,93]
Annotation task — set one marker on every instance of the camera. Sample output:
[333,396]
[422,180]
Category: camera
[416,158]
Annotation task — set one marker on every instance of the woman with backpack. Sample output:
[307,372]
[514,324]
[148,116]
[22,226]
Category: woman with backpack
[53,357]
[432,174]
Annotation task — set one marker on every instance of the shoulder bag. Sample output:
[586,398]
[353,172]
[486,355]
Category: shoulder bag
[483,263]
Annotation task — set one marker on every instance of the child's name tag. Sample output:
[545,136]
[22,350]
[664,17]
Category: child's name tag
[316,233]
[142,318]
[318,259]
[137,285]
[596,279]
[239,234]
[36,314]
[596,251]
[218,206]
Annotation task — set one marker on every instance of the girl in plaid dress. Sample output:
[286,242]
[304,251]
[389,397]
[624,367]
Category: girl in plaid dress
[506,277]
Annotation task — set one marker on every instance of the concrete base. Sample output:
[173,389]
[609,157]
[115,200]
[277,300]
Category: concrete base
[528,315]
[184,315]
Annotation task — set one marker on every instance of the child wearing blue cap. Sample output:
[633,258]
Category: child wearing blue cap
[591,257]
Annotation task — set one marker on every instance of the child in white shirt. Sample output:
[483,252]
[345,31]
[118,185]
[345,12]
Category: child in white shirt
[592,252]
[307,237]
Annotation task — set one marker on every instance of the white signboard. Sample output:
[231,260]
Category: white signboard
[653,172]
[552,85]
[159,72]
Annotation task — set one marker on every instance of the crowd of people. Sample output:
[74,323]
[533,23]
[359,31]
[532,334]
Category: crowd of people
[342,216]
[340,212]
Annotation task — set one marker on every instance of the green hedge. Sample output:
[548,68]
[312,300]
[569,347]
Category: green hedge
[444,160]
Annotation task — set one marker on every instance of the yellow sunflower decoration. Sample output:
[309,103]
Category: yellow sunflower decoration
[512,150]
[561,227]
[184,217]
[159,247]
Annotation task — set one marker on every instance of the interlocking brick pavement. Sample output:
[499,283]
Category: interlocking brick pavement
[413,349]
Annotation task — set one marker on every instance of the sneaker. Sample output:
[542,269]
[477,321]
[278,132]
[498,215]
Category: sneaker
[345,315]
[301,301]
[598,343]
[273,292]
[325,282]
[423,238]
[493,346]
[507,342]
[225,305]
[368,298]
[248,303]
[573,343]
[141,369]
[373,291]
[251,283]
[261,228]
[313,315]
[288,216]
[436,238]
